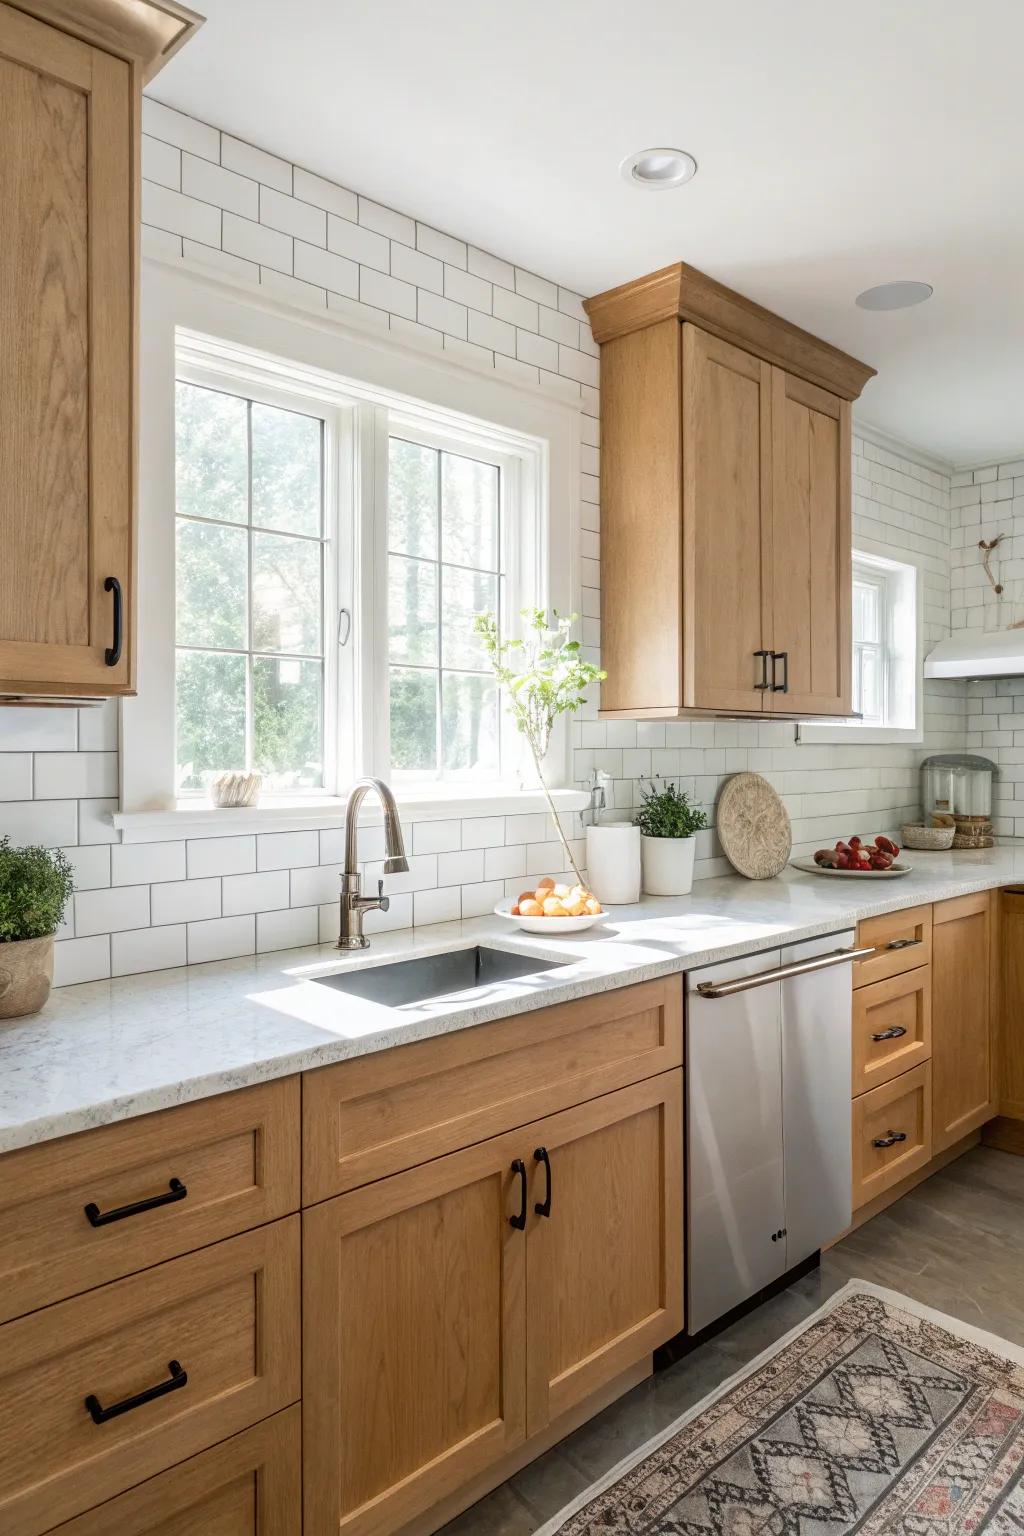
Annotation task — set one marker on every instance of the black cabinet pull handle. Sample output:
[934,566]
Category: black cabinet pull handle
[519,1222]
[97,1218]
[890,1140]
[782,656]
[763,684]
[543,1207]
[895,1033]
[903,943]
[112,654]
[178,1378]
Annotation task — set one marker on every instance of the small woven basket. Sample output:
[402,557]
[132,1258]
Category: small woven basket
[934,838]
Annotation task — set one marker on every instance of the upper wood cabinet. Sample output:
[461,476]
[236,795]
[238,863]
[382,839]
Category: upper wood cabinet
[69,176]
[725,505]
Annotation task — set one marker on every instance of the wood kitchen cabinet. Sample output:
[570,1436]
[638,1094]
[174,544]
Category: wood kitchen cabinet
[69,178]
[725,516]
[963,1086]
[440,1333]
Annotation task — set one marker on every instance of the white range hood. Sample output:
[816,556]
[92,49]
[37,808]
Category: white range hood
[965,654]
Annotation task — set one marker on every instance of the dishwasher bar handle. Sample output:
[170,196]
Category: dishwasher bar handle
[781,972]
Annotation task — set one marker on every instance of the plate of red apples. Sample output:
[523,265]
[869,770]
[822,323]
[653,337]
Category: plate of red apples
[864,860]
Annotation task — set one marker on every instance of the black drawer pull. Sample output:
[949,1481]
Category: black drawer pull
[97,1218]
[519,1222]
[112,654]
[763,684]
[895,1033]
[890,1140]
[543,1207]
[178,1378]
[903,943]
[782,656]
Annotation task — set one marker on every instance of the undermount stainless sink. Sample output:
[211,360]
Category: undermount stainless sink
[413,981]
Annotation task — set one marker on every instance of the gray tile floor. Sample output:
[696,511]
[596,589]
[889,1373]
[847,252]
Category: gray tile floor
[955,1243]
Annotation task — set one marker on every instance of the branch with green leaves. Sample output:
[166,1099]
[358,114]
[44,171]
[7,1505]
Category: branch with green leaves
[543,675]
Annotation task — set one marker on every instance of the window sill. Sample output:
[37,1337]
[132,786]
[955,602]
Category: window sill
[459,803]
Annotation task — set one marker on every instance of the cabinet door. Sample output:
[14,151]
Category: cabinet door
[809,566]
[726,483]
[67,177]
[605,1263]
[962,1087]
[414,1359]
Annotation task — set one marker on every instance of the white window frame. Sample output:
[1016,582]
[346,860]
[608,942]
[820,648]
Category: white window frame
[205,325]
[901,584]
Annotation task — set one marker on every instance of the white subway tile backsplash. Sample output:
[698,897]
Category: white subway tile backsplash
[417,268]
[134,863]
[221,261]
[255,893]
[438,906]
[316,887]
[533,287]
[184,901]
[257,163]
[357,244]
[483,264]
[395,226]
[78,960]
[326,269]
[180,215]
[496,335]
[287,850]
[221,856]
[91,867]
[516,309]
[505,863]
[460,868]
[23,729]
[292,216]
[483,832]
[437,836]
[15,776]
[161,162]
[94,821]
[325,194]
[389,293]
[444,247]
[62,775]
[293,928]
[466,288]
[175,128]
[109,911]
[28,822]
[558,327]
[442,314]
[221,938]
[224,188]
[257,243]
[147,949]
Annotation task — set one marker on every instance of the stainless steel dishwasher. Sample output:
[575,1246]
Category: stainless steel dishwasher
[768,1047]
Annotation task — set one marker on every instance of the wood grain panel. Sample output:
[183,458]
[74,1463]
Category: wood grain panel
[604,1271]
[641,529]
[149,32]
[902,1002]
[250,1485]
[684,292]
[367,1118]
[901,941]
[228,1314]
[1011,1005]
[726,475]
[414,1339]
[963,1086]
[809,577]
[237,1156]
[904,1107]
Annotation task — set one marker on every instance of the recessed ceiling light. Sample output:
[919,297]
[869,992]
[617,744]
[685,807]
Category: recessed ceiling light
[657,169]
[899,295]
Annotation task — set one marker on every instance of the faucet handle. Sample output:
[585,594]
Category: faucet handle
[383,902]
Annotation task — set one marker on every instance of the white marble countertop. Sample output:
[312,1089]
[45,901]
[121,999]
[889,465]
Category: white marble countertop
[106,1051]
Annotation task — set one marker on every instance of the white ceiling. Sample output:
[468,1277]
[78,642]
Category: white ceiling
[839,146]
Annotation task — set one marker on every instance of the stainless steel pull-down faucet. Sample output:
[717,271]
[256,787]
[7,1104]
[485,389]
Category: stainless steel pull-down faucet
[353,904]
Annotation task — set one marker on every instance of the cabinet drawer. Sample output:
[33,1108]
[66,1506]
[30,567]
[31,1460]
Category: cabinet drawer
[892,1027]
[251,1485]
[237,1157]
[901,941]
[367,1118]
[900,1109]
[227,1317]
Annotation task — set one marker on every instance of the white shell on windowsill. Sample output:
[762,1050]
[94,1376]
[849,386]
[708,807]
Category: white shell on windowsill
[233,790]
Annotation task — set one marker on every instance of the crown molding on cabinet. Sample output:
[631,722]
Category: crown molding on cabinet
[680,291]
[145,32]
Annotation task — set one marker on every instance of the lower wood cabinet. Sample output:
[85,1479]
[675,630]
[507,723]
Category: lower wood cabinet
[963,1077]
[250,1485]
[892,1133]
[455,1310]
[121,1383]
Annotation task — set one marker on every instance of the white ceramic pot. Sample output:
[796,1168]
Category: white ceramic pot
[668,865]
[613,862]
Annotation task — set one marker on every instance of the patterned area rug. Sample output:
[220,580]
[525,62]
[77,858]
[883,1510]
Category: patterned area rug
[876,1415]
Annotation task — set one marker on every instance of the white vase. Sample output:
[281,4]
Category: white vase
[613,862]
[668,865]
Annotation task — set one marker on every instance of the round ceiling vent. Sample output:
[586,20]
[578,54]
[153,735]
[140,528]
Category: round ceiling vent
[658,169]
[899,295]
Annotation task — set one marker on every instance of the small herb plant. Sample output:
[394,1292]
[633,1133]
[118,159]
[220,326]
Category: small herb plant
[550,681]
[668,812]
[35,888]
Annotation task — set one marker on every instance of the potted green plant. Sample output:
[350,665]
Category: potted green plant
[35,888]
[549,681]
[667,819]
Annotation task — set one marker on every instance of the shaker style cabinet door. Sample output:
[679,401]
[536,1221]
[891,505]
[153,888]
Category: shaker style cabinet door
[808,585]
[414,1318]
[67,260]
[726,483]
[605,1252]
[962,1067]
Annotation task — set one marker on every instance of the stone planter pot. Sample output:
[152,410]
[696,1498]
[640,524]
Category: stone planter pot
[26,971]
[668,865]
